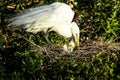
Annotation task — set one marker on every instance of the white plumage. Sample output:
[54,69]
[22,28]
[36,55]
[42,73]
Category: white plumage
[54,17]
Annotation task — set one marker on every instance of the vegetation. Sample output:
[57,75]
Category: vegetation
[26,56]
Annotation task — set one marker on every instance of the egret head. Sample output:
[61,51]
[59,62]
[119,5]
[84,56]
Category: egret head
[75,32]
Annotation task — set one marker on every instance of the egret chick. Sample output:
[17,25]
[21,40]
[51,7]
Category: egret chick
[70,47]
[54,17]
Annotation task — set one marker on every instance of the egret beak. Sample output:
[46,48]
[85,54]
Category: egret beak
[77,41]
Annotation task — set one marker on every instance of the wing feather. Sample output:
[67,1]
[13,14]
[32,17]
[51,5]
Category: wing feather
[43,17]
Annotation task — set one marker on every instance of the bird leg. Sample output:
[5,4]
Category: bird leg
[46,38]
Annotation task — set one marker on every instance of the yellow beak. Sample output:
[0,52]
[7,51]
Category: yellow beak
[77,41]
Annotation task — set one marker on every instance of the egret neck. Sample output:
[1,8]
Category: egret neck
[75,32]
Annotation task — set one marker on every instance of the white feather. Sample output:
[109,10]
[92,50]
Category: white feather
[55,17]
[44,17]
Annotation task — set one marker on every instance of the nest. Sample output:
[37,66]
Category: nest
[54,53]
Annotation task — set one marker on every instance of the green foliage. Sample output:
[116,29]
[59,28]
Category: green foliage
[31,66]
[98,68]
[108,13]
[97,19]
[23,66]
[100,19]
[1,41]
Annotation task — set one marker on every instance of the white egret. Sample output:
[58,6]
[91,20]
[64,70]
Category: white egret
[54,17]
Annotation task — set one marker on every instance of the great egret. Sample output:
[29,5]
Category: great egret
[54,17]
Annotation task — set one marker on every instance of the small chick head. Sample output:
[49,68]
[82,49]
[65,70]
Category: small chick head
[69,47]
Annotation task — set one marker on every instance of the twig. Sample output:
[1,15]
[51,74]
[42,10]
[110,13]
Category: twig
[33,44]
